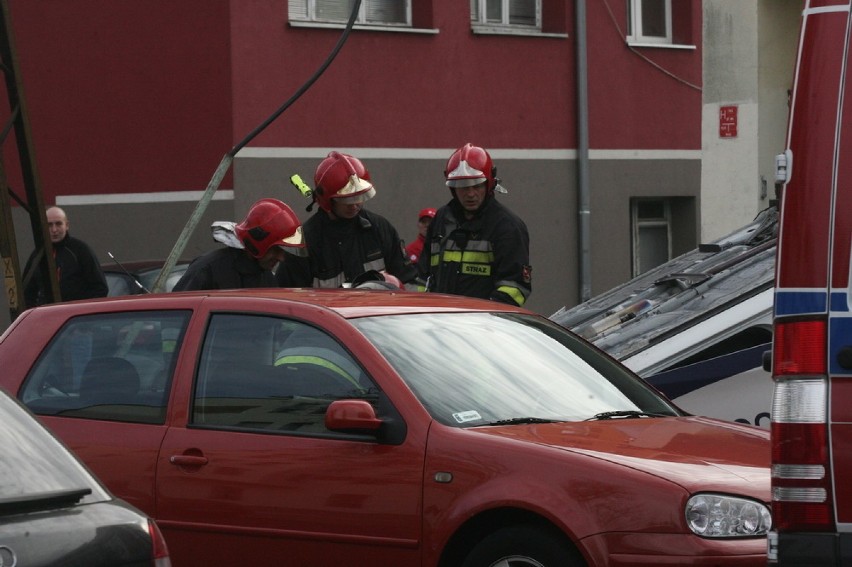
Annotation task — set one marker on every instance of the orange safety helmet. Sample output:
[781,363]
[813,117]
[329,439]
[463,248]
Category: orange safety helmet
[344,177]
[470,165]
[269,223]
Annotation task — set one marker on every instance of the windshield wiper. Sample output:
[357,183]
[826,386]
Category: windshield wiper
[522,420]
[43,501]
[625,414]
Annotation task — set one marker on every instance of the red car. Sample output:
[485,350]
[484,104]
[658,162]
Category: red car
[317,427]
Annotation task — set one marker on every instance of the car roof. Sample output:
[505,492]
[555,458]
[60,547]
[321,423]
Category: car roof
[348,303]
[681,293]
[138,265]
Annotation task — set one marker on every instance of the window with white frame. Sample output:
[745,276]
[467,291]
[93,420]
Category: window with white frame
[524,14]
[651,223]
[650,21]
[371,12]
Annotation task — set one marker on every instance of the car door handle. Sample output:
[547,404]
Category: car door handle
[188,460]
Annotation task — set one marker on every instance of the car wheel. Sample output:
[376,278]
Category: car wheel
[523,546]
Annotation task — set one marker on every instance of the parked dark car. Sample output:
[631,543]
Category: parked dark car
[327,427]
[132,278]
[53,512]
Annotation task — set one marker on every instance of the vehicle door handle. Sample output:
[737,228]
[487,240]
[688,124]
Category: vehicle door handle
[188,460]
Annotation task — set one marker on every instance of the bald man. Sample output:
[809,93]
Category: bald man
[80,275]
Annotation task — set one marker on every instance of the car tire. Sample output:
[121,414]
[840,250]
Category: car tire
[523,546]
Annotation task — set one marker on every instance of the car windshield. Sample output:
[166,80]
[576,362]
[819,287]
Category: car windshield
[35,466]
[472,369]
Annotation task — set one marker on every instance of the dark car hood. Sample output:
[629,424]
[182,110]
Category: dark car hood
[699,454]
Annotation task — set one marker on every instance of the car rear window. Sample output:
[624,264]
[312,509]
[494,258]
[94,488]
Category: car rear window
[34,463]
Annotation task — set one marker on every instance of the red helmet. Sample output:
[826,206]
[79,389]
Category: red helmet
[427,213]
[341,176]
[269,223]
[470,165]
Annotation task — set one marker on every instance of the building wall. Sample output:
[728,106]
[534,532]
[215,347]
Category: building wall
[750,47]
[132,103]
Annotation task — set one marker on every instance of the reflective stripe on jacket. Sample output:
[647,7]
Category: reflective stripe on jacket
[486,256]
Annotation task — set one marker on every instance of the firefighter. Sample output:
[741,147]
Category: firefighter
[345,240]
[253,248]
[475,246]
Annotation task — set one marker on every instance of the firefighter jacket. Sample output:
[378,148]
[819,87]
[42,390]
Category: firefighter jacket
[225,268]
[78,271]
[341,249]
[486,256]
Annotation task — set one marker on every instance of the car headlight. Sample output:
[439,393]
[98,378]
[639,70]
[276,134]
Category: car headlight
[718,515]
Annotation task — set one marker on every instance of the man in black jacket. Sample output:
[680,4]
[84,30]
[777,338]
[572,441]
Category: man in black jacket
[253,248]
[475,246]
[77,266]
[345,240]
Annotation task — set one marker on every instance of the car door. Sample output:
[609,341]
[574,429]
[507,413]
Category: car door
[254,477]
[102,384]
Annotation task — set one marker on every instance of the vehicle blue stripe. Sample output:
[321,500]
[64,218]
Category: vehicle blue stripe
[839,302]
[679,381]
[799,302]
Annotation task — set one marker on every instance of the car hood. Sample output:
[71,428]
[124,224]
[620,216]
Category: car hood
[699,454]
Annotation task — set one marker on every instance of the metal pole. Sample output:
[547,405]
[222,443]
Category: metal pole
[44,267]
[583,211]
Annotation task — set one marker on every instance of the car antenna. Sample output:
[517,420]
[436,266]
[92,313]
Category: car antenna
[128,274]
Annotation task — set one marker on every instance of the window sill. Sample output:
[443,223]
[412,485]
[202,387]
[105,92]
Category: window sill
[518,31]
[340,26]
[660,45]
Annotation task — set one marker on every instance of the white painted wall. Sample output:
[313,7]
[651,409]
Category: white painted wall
[749,53]
[729,176]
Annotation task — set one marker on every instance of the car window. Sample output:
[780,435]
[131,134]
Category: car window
[472,369]
[148,277]
[267,373]
[34,462]
[114,367]
[118,284]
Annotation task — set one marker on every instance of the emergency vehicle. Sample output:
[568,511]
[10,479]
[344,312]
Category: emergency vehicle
[811,425]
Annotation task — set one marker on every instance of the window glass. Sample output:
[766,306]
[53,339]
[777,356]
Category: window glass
[472,369]
[34,462]
[372,12]
[652,233]
[654,18]
[115,367]
[267,373]
[505,12]
[650,20]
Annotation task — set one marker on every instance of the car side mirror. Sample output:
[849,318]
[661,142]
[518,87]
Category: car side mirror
[351,415]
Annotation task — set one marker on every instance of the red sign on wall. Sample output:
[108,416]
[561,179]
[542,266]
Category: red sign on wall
[728,122]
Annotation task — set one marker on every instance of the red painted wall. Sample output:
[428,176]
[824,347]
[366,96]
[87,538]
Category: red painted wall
[418,90]
[125,96]
[148,96]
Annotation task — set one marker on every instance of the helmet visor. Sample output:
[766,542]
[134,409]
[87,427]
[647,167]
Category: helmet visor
[296,240]
[294,244]
[465,176]
[355,192]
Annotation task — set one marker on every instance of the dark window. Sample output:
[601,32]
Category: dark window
[114,367]
[272,374]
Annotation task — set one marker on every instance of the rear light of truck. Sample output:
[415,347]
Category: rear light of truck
[801,480]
